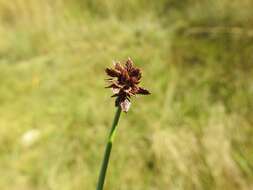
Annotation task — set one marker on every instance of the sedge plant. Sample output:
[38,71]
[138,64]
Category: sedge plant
[124,80]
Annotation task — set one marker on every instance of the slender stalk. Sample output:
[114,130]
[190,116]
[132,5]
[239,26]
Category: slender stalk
[108,150]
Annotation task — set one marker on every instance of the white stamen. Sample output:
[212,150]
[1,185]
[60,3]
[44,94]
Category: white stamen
[125,106]
[115,90]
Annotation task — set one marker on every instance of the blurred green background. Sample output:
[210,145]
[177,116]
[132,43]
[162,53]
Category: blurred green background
[193,133]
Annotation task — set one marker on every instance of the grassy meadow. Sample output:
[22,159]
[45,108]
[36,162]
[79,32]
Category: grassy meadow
[195,132]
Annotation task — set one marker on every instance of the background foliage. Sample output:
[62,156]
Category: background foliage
[194,132]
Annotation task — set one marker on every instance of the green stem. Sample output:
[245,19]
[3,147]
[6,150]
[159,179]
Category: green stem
[108,150]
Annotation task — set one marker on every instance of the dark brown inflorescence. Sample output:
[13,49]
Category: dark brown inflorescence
[124,83]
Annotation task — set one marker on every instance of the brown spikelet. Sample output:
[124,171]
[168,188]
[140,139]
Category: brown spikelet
[124,83]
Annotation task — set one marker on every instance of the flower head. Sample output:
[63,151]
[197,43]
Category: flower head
[124,80]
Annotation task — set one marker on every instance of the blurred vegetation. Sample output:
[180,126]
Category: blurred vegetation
[194,132]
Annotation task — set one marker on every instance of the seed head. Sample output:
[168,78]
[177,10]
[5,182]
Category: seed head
[124,80]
